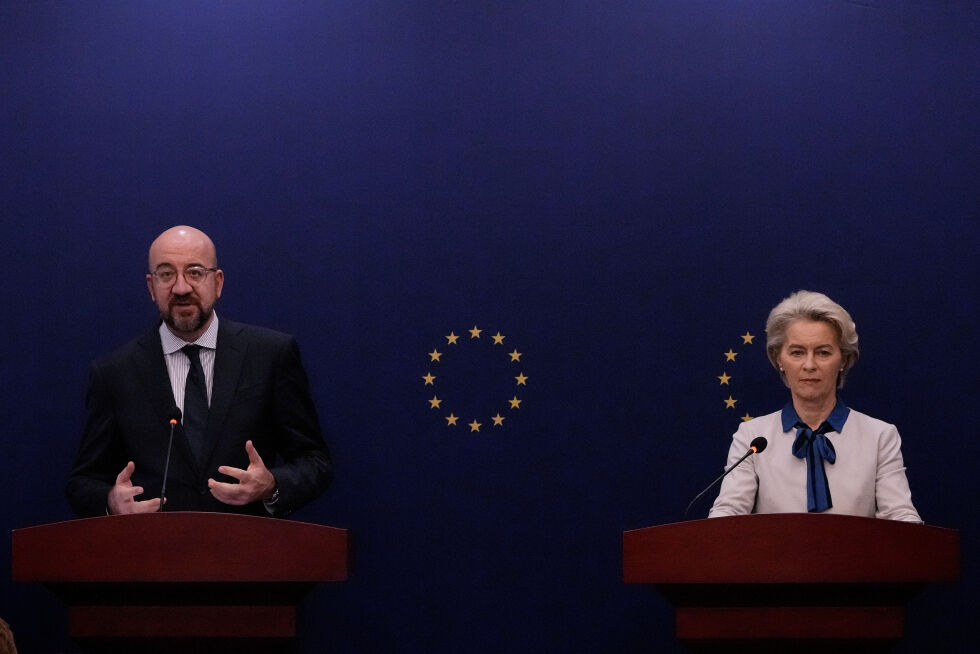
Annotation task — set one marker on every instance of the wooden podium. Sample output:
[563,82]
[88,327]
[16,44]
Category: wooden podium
[790,577]
[180,581]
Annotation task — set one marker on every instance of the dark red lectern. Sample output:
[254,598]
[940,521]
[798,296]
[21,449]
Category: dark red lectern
[790,576]
[185,576]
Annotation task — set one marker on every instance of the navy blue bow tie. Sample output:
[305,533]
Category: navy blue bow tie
[816,449]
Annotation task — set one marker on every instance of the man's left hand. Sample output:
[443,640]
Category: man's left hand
[254,484]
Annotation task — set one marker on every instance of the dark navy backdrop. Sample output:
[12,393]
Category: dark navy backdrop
[620,189]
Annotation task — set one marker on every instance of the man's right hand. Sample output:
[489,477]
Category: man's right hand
[121,497]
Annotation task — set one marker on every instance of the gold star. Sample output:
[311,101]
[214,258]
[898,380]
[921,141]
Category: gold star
[451,419]
[747,339]
[746,417]
[498,420]
[730,402]
[730,356]
[435,354]
[429,377]
[515,403]
[521,379]
[724,377]
[452,338]
[434,402]
[515,355]
[498,339]
[475,333]
[475,426]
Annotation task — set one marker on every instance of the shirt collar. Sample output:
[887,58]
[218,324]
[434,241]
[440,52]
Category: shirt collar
[837,417]
[208,339]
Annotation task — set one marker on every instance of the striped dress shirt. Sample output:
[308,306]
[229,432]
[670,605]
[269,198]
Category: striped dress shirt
[178,365]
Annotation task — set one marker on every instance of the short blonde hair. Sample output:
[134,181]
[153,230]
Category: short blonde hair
[807,305]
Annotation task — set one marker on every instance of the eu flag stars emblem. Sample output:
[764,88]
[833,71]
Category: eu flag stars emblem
[477,382]
[727,379]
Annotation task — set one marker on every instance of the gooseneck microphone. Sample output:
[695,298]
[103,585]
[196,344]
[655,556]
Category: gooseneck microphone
[757,445]
[174,419]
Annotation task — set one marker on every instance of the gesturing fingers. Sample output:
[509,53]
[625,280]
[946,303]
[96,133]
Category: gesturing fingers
[234,494]
[237,473]
[130,492]
[254,484]
[122,495]
[253,455]
[147,506]
[125,474]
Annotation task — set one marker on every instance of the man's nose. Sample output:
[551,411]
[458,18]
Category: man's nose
[181,287]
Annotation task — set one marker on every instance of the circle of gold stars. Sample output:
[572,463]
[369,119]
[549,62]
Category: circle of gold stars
[435,357]
[724,378]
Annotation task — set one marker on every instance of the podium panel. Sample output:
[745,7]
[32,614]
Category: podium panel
[790,577]
[180,577]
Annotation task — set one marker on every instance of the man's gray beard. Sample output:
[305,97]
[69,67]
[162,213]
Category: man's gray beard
[188,325]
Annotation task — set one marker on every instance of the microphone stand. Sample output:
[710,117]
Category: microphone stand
[752,450]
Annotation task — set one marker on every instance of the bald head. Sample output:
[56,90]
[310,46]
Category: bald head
[183,239]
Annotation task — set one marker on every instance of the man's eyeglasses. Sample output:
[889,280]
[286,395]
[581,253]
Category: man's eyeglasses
[193,275]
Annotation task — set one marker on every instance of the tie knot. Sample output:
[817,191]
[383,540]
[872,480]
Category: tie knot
[192,353]
[804,429]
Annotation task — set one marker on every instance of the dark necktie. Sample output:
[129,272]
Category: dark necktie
[817,450]
[195,402]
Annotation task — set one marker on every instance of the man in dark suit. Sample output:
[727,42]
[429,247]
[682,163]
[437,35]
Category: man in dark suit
[249,440]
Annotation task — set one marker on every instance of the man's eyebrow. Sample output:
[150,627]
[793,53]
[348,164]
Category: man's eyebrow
[170,265]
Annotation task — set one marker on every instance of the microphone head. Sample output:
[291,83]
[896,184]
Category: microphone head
[175,415]
[758,444]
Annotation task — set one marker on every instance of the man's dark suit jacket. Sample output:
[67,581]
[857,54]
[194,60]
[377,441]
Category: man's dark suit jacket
[260,392]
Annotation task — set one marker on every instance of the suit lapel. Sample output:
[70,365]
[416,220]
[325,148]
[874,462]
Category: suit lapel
[152,370]
[229,356]
[153,373]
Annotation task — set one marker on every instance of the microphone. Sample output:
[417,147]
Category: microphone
[757,445]
[174,419]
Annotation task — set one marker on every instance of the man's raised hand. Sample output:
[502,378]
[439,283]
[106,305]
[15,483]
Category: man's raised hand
[122,495]
[254,484]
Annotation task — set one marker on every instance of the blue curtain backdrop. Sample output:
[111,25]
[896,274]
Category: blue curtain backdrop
[620,190]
